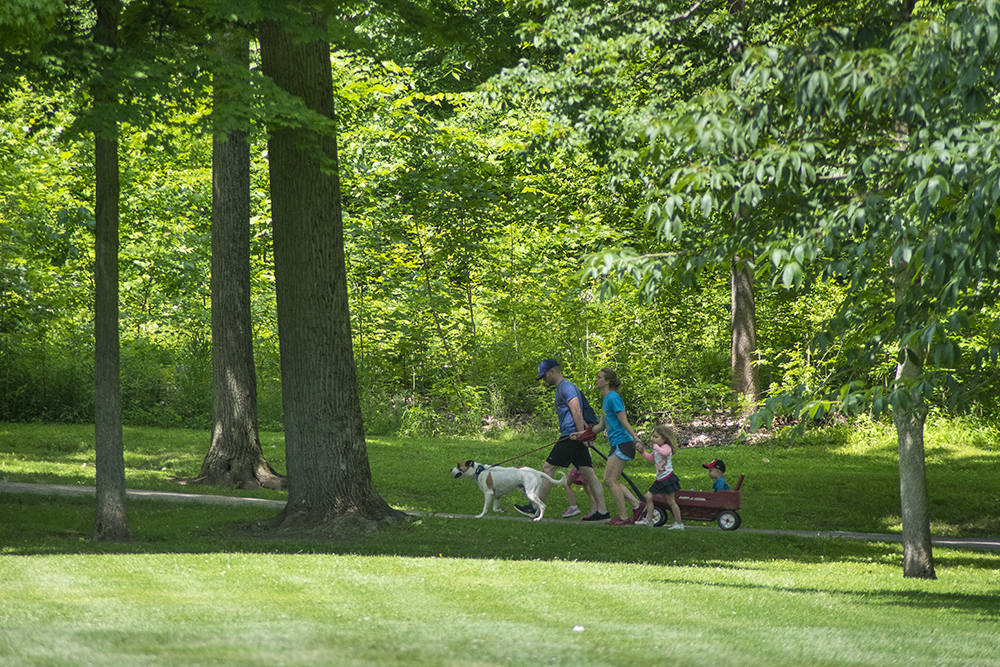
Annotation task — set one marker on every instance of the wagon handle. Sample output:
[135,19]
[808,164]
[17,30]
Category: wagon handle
[739,483]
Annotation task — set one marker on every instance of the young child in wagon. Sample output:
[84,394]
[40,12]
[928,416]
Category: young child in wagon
[716,470]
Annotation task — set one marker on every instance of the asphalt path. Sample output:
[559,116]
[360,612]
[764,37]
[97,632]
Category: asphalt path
[976,543]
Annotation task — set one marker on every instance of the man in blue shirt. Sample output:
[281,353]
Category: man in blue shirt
[567,451]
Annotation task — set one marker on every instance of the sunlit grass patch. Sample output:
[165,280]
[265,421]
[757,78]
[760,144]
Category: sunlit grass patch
[324,605]
[841,478]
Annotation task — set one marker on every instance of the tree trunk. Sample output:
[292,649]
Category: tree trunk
[430,303]
[474,373]
[235,458]
[328,472]
[909,415]
[743,372]
[110,520]
[918,559]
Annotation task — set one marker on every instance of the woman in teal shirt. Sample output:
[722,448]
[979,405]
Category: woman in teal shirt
[622,437]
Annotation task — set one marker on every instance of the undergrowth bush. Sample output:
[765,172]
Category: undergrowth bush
[49,379]
[162,388]
[381,411]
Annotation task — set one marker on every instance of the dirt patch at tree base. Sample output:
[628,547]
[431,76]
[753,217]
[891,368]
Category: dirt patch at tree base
[715,430]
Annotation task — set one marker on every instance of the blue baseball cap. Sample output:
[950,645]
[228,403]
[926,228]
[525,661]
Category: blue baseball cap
[545,367]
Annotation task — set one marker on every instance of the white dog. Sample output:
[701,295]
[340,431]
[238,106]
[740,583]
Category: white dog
[494,482]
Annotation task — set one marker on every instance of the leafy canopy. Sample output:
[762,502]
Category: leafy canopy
[868,160]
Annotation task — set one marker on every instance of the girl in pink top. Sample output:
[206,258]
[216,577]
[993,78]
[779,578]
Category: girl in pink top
[667,483]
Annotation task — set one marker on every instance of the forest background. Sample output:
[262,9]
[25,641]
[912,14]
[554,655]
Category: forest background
[469,207]
[464,237]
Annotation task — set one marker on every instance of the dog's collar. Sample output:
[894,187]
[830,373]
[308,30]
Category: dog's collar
[479,470]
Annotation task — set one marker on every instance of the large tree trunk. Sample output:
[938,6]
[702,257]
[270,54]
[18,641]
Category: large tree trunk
[744,374]
[235,457]
[328,471]
[110,520]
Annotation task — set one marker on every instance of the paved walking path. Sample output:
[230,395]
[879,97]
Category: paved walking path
[978,543]
[75,490]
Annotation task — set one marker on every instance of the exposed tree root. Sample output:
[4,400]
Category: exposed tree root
[226,475]
[329,526]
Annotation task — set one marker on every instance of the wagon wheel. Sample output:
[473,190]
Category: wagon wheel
[659,516]
[728,520]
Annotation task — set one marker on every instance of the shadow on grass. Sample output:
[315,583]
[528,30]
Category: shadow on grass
[983,607]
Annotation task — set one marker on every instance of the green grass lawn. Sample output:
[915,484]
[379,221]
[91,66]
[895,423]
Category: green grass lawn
[199,586]
[834,479]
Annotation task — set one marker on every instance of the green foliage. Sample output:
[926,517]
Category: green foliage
[469,216]
[848,157]
[27,20]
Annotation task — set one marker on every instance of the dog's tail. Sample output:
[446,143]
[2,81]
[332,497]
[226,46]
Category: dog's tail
[561,479]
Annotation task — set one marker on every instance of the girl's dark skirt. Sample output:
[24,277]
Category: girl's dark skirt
[669,484]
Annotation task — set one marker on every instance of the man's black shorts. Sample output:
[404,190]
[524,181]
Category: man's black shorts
[569,452]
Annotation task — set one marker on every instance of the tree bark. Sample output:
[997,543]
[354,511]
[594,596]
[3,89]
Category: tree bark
[328,471]
[909,414]
[235,458]
[110,520]
[918,559]
[744,374]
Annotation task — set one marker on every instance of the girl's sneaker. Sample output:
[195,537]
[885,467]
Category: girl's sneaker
[572,511]
[645,522]
[676,526]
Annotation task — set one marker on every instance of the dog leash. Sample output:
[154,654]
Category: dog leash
[514,458]
[551,444]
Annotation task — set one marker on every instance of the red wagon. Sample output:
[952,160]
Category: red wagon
[718,506]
